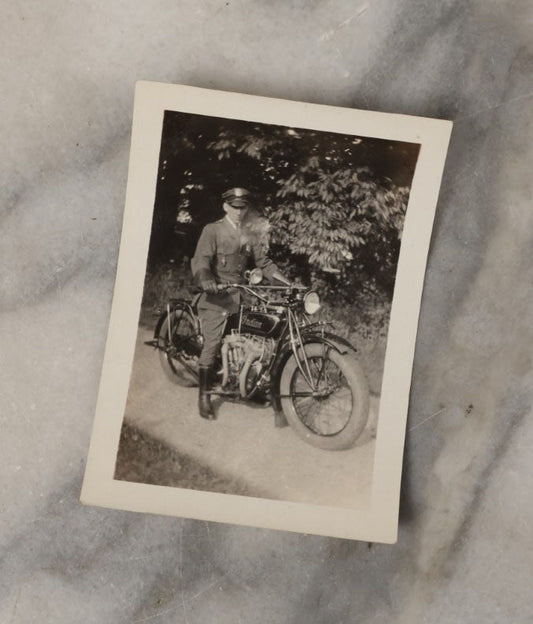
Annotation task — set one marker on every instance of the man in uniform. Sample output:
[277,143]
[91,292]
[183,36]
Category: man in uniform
[222,254]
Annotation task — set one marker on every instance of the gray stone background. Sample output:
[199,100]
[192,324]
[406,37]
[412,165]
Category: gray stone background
[465,551]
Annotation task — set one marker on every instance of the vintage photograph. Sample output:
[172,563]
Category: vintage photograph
[266,304]
[258,343]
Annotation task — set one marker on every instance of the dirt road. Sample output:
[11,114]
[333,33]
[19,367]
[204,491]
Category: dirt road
[244,444]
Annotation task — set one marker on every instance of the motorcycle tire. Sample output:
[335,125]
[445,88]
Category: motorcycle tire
[179,368]
[338,428]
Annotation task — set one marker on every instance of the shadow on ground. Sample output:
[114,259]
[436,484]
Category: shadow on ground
[143,459]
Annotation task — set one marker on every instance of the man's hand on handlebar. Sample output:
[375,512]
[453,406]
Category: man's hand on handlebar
[209,285]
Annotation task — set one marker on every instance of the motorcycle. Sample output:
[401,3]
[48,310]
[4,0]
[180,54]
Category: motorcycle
[272,350]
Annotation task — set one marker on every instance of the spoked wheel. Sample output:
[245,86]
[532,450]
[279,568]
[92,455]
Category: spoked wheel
[179,348]
[334,413]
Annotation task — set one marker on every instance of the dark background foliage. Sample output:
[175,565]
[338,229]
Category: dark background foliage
[336,204]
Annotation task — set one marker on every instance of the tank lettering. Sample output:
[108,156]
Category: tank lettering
[252,322]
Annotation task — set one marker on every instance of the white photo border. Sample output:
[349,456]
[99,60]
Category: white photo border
[379,521]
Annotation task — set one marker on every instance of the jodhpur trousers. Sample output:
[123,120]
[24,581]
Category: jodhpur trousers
[213,323]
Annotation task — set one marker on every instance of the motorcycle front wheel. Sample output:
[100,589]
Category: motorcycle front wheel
[179,348]
[334,414]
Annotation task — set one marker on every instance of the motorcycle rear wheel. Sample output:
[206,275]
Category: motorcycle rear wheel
[179,349]
[332,422]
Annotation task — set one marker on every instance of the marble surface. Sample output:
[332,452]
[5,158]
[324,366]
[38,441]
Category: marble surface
[465,552]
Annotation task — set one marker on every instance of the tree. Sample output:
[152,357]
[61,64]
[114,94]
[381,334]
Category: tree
[336,203]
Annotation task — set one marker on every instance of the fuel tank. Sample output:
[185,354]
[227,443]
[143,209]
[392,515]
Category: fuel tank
[263,324]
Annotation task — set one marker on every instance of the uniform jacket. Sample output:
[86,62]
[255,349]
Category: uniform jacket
[224,253]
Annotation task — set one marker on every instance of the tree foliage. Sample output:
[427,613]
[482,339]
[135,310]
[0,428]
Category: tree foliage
[335,203]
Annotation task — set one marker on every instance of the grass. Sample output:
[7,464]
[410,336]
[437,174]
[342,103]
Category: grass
[143,459]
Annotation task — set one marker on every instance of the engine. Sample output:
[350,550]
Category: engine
[244,357]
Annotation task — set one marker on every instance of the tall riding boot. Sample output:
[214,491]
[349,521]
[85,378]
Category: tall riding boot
[204,399]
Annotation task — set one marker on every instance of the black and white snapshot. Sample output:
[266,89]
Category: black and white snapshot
[265,310]
[262,333]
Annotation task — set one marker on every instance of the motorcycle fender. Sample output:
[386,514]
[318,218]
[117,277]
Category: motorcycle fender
[333,342]
[342,342]
[172,306]
[159,324]
[315,329]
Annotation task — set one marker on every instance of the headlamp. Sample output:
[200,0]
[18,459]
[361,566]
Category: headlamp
[312,302]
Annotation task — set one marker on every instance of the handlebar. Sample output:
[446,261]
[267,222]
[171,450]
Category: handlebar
[262,287]
[252,290]
[227,285]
